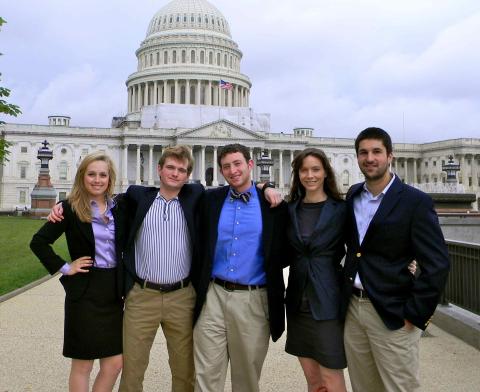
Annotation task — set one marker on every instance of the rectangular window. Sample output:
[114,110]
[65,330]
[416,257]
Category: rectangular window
[62,195]
[23,172]
[23,149]
[22,197]
[434,163]
[426,164]
[62,172]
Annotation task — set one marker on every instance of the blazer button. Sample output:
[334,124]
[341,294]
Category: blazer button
[359,254]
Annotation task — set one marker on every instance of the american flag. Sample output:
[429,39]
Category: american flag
[225,85]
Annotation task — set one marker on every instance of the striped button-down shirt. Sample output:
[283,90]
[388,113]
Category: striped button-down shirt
[163,246]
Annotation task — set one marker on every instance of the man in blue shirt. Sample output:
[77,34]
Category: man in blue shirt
[240,291]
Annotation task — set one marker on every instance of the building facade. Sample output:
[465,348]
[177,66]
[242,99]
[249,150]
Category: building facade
[188,89]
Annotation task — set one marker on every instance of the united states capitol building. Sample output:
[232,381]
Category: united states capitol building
[176,97]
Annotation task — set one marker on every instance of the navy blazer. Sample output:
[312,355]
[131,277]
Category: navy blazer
[80,242]
[405,227]
[139,199]
[318,261]
[274,241]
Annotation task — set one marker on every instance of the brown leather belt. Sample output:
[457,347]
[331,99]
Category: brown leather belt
[230,286]
[359,293]
[163,287]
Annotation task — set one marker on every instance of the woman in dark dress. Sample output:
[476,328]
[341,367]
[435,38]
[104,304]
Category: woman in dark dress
[93,226]
[317,214]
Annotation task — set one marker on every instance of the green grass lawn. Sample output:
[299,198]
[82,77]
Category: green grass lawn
[18,265]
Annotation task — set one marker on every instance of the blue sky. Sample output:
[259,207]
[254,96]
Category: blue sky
[411,67]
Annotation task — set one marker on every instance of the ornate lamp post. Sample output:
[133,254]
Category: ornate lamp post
[264,162]
[44,194]
[451,169]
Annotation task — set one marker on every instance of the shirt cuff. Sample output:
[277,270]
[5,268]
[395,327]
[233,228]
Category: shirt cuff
[65,269]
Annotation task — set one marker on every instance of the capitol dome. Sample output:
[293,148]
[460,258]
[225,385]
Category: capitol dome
[188,57]
[188,14]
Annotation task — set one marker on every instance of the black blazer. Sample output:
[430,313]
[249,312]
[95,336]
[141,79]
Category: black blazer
[139,199]
[317,260]
[405,227]
[80,242]
[274,240]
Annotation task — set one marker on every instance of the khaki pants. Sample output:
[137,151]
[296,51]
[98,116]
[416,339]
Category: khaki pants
[233,326]
[145,310]
[379,359]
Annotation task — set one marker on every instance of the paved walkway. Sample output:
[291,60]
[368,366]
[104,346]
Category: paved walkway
[31,343]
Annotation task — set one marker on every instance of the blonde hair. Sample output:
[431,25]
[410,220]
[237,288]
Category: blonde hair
[79,198]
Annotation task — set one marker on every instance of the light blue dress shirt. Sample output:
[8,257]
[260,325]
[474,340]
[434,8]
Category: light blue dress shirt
[239,247]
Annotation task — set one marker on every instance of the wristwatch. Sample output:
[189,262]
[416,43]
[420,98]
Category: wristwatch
[268,184]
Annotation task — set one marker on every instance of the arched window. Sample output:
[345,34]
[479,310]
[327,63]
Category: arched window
[210,58]
[158,58]
[231,62]
[182,94]
[218,58]
[184,56]
[165,57]
[225,60]
[151,59]
[202,57]
[193,90]
[192,57]
[174,57]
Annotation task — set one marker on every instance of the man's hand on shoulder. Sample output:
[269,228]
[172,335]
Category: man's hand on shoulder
[273,196]
[56,214]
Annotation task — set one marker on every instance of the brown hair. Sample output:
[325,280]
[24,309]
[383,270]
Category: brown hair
[78,198]
[232,148]
[297,190]
[180,153]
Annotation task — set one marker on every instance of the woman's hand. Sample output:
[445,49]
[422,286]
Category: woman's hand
[79,264]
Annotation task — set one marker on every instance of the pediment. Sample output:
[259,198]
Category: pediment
[222,129]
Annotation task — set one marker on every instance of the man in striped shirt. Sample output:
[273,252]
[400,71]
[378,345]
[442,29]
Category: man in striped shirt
[158,260]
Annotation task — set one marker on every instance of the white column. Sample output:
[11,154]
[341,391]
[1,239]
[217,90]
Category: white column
[219,90]
[155,92]
[474,172]
[177,95]
[415,171]
[463,171]
[198,101]
[129,93]
[291,156]
[125,166]
[215,167]
[139,97]
[150,164]
[145,95]
[280,169]
[137,176]
[254,170]
[271,167]
[209,94]
[165,85]
[406,171]
[202,165]
[187,92]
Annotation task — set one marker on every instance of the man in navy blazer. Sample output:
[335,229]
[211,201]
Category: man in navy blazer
[390,224]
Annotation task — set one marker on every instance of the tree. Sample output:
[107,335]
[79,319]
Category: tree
[9,109]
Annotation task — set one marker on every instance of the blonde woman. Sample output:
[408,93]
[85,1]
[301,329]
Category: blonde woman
[94,228]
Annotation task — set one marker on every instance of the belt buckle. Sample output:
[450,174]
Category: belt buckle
[229,286]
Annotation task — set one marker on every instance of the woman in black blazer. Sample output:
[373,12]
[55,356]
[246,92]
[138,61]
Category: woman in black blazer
[94,228]
[316,235]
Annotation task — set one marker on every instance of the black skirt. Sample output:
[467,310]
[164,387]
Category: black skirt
[321,340]
[93,323]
